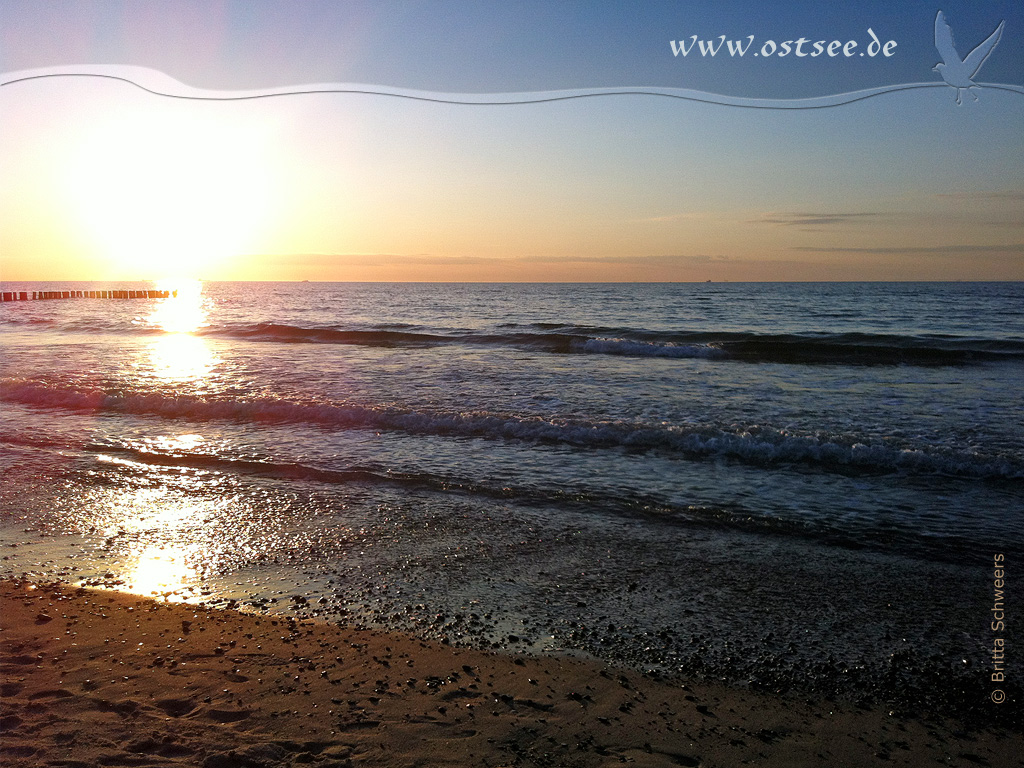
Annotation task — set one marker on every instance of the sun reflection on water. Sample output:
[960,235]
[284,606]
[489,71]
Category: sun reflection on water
[154,539]
[182,313]
[172,443]
[162,571]
[149,511]
[182,357]
[178,354]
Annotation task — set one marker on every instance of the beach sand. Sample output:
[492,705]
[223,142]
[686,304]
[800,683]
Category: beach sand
[93,677]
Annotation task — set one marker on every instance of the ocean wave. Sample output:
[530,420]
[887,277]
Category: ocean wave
[761,446]
[629,348]
[620,502]
[865,349]
[845,348]
[270,468]
[29,321]
[737,346]
[869,349]
[277,332]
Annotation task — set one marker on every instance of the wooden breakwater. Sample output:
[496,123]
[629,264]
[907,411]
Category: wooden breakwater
[108,294]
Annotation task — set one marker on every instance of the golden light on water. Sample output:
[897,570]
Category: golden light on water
[179,355]
[156,537]
[171,518]
[149,511]
[173,443]
[182,313]
[162,571]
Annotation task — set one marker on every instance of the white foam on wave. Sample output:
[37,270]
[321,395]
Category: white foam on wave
[627,347]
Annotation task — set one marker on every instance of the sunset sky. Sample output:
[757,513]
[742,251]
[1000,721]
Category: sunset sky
[102,180]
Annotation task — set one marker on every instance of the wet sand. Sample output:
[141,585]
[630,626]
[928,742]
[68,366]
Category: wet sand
[92,677]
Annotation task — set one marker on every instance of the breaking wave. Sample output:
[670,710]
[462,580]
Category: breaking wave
[757,445]
[847,348]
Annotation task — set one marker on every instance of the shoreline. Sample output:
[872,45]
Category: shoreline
[100,677]
[861,627]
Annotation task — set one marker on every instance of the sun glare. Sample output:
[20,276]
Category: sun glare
[161,571]
[184,312]
[169,192]
[179,355]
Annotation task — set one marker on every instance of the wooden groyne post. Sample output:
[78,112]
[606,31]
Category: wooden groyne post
[107,294]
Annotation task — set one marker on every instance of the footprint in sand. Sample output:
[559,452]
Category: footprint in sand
[228,715]
[176,707]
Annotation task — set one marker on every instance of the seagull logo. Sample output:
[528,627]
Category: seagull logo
[958,72]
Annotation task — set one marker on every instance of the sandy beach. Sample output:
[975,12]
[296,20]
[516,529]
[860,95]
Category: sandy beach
[94,677]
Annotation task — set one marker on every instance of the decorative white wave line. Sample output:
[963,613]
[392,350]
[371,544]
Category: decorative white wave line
[160,84]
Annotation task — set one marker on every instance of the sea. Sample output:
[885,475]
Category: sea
[795,487]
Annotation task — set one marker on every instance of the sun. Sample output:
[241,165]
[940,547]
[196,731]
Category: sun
[171,190]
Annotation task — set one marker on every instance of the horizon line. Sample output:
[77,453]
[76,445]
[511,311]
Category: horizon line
[510,282]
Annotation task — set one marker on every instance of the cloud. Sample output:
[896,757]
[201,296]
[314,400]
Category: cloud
[1004,195]
[687,216]
[662,259]
[372,259]
[814,219]
[426,259]
[952,250]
